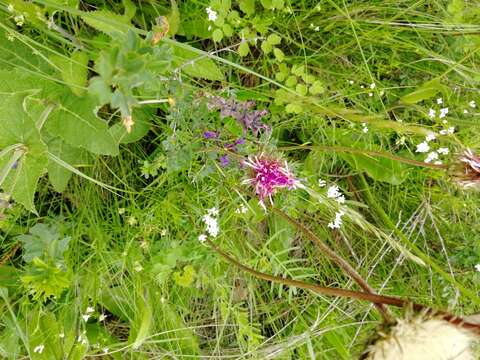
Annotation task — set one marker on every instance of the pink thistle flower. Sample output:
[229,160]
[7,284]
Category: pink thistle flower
[268,175]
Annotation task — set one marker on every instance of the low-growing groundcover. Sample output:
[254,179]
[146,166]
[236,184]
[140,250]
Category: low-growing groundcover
[150,149]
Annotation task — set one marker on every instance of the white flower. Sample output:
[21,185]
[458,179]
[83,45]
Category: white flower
[39,349]
[242,209]
[431,113]
[351,82]
[443,132]
[202,238]
[333,192]
[370,94]
[373,86]
[338,220]
[317,28]
[443,150]
[61,336]
[430,137]
[105,350]
[321,183]
[472,104]
[451,130]
[10,8]
[439,101]
[431,156]
[438,162]
[86,317]
[465,111]
[364,128]
[209,27]
[19,20]
[211,222]
[212,14]
[137,266]
[477,267]
[163,232]
[422,147]
[102,317]
[443,113]
[89,310]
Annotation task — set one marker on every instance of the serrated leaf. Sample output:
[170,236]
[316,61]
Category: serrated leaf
[378,168]
[16,127]
[106,21]
[423,92]
[74,120]
[200,67]
[74,71]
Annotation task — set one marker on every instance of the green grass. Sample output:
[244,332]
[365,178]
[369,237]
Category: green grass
[131,251]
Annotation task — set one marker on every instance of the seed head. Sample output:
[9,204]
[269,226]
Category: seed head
[467,171]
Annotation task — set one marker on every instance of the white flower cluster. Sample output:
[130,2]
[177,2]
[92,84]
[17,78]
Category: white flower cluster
[333,192]
[211,221]
[433,156]
[242,209]
[212,14]
[39,349]
[364,128]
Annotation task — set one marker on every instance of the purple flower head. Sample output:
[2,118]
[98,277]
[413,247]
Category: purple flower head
[268,175]
[224,160]
[210,134]
[240,111]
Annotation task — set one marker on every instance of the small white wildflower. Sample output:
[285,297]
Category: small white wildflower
[61,336]
[102,317]
[443,113]
[19,20]
[163,232]
[202,238]
[321,183]
[121,211]
[213,211]
[211,222]
[242,209]
[10,37]
[84,341]
[132,220]
[364,128]
[373,86]
[438,162]
[351,82]
[444,121]
[451,130]
[472,104]
[105,350]
[430,137]
[39,349]
[362,87]
[209,27]
[311,25]
[443,132]
[439,101]
[89,310]
[431,113]
[465,111]
[382,93]
[370,94]
[10,8]
[431,156]
[443,150]
[423,147]
[86,317]
[477,267]
[137,266]
[337,223]
[212,14]
[333,192]
[317,28]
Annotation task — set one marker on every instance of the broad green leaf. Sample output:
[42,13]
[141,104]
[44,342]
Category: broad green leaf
[279,55]
[243,49]
[217,35]
[107,21]
[142,122]
[186,277]
[16,126]
[43,331]
[317,88]
[274,39]
[247,6]
[74,71]
[130,9]
[266,47]
[75,121]
[143,323]
[378,168]
[173,19]
[423,92]
[198,66]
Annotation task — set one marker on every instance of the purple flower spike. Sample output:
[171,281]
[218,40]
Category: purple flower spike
[224,160]
[268,175]
[210,134]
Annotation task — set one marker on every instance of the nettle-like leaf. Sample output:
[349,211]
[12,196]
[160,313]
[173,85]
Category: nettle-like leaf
[22,167]
[74,71]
